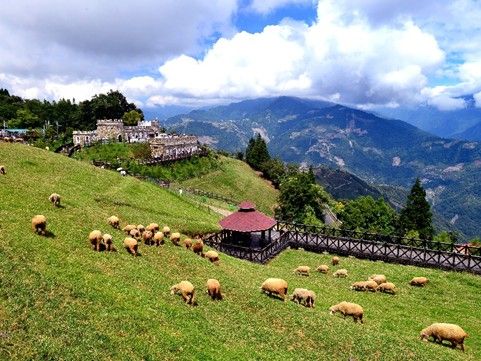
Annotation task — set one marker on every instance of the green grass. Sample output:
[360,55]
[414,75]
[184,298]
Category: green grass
[61,301]
[236,180]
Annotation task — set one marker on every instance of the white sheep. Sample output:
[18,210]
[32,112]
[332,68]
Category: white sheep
[54,199]
[348,309]
[153,227]
[147,236]
[275,286]
[212,256]
[304,296]
[445,331]
[2,169]
[158,238]
[387,287]
[335,260]
[213,289]
[131,245]
[302,270]
[186,289]
[109,244]
[128,228]
[175,238]
[187,243]
[340,273]
[378,279]
[39,224]
[114,221]
[323,268]
[96,240]
[419,281]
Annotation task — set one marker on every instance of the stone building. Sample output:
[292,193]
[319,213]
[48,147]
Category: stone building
[174,146]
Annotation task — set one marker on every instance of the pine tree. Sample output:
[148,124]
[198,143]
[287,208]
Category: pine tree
[256,152]
[416,215]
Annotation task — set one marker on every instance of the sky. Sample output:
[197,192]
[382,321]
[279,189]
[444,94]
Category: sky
[365,53]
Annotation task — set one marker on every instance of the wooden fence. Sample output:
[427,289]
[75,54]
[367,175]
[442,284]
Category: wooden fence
[416,252]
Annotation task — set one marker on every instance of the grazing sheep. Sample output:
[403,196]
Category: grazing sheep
[135,234]
[378,279]
[323,268]
[419,281]
[348,309]
[109,244]
[445,331]
[302,270]
[128,228]
[131,245]
[39,224]
[371,286]
[187,243]
[304,296]
[54,199]
[114,221]
[198,247]
[212,256]
[213,289]
[158,238]
[166,231]
[175,238]
[147,236]
[96,240]
[2,169]
[275,285]
[153,227]
[186,289]
[335,260]
[340,273]
[141,228]
[387,287]
[359,286]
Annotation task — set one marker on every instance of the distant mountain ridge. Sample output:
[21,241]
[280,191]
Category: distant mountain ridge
[376,149]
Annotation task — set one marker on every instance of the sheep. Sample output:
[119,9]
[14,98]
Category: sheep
[340,273]
[445,331]
[108,241]
[213,289]
[153,227]
[212,256]
[96,240]
[186,289]
[371,286]
[348,309]
[187,243]
[304,296]
[302,270]
[54,199]
[158,238]
[419,281]
[175,238]
[335,260]
[131,245]
[323,268]
[141,228]
[39,224]
[166,230]
[2,169]
[275,285]
[135,234]
[387,287]
[147,236]
[114,221]
[359,286]
[378,279]
[198,247]
[128,228]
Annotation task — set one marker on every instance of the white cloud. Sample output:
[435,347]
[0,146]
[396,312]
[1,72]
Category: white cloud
[477,99]
[267,6]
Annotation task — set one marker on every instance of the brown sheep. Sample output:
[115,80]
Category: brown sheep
[187,243]
[213,289]
[387,287]
[323,268]
[419,281]
[39,224]
[131,245]
[335,260]
[96,240]
[153,227]
[108,241]
[2,169]
[54,199]
[275,286]
[348,309]
[114,221]
[198,247]
[158,238]
[128,228]
[302,270]
[445,331]
[304,296]
[212,256]
[135,234]
[378,279]
[340,273]
[186,289]
[147,236]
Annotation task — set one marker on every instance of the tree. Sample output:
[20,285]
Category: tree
[274,170]
[300,199]
[416,215]
[256,152]
[131,118]
[369,215]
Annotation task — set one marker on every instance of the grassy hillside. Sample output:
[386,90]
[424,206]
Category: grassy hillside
[236,180]
[60,300]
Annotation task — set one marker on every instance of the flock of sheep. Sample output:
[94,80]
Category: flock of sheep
[152,235]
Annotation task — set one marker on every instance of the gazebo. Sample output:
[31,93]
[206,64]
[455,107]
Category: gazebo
[247,227]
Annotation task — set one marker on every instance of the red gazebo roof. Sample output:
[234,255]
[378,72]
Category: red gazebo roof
[247,219]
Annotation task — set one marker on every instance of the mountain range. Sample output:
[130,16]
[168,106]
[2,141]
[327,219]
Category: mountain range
[376,149]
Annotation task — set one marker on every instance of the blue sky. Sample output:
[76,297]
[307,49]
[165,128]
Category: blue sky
[365,53]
